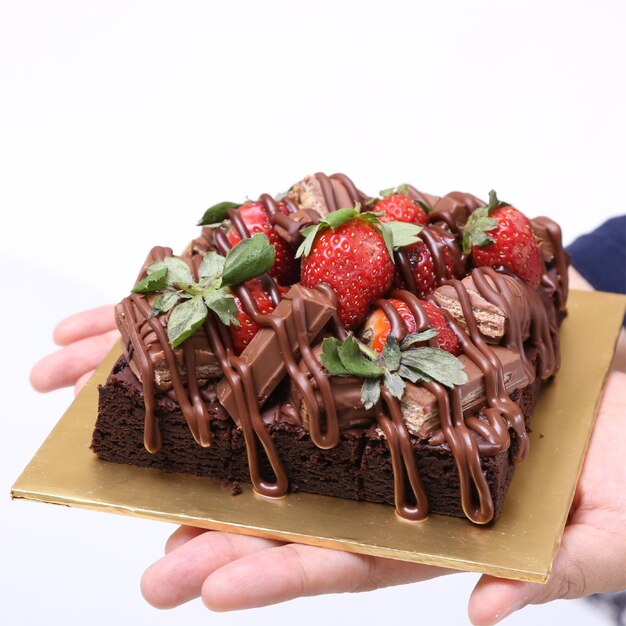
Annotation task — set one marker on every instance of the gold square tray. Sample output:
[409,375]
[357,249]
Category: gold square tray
[520,545]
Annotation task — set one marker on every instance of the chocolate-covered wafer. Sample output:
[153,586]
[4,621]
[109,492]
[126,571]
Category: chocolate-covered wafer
[264,355]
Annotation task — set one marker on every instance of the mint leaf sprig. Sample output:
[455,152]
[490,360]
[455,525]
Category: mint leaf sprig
[189,300]
[397,363]
[475,232]
[395,234]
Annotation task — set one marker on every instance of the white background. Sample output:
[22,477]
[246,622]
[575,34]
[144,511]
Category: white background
[121,122]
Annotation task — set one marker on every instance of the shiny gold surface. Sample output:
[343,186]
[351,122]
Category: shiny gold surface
[521,545]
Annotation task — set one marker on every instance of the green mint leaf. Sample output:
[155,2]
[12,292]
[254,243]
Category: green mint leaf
[341,216]
[394,384]
[391,353]
[248,259]
[309,233]
[436,364]
[223,305]
[475,231]
[370,392]
[387,234]
[217,213]
[178,272]
[154,281]
[185,319]
[403,233]
[211,267]
[414,338]
[330,357]
[164,302]
[353,359]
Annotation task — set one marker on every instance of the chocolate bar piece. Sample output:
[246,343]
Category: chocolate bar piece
[419,406]
[264,355]
[490,318]
[131,313]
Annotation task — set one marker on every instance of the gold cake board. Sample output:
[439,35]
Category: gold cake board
[520,545]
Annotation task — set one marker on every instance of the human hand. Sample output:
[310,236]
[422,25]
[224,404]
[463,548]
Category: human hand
[86,339]
[224,568]
[592,556]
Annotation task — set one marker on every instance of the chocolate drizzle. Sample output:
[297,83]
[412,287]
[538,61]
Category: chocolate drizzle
[327,405]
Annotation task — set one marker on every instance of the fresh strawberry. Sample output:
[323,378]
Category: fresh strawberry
[498,235]
[347,250]
[423,266]
[242,335]
[254,214]
[377,326]
[398,206]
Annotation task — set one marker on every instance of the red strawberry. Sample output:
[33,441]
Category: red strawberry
[377,326]
[242,335]
[401,208]
[254,214]
[347,251]
[498,235]
[424,268]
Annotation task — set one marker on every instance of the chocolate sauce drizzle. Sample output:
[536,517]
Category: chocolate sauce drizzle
[468,438]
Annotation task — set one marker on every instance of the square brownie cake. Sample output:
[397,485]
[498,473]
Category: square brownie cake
[386,349]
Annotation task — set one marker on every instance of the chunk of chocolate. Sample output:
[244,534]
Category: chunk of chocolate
[207,365]
[264,355]
[490,318]
[419,406]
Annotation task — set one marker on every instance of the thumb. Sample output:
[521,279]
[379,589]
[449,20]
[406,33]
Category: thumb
[590,560]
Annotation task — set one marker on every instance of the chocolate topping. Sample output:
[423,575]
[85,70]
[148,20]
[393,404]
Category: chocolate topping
[483,309]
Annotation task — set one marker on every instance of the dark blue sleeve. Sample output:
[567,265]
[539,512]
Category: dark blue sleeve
[600,256]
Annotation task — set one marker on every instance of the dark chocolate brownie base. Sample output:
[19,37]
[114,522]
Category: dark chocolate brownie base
[359,468]
[119,432]
[438,469]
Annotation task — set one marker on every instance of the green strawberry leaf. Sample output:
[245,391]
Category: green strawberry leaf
[413,375]
[403,233]
[211,267]
[330,357]
[372,355]
[178,272]
[164,302]
[384,193]
[338,218]
[309,233]
[355,362]
[185,319]
[387,234]
[217,213]
[391,353]
[494,203]
[154,281]
[414,338]
[248,259]
[223,305]
[476,229]
[370,392]
[427,209]
[394,384]
[436,364]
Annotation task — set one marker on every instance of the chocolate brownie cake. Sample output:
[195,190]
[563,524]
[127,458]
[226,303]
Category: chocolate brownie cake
[388,349]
